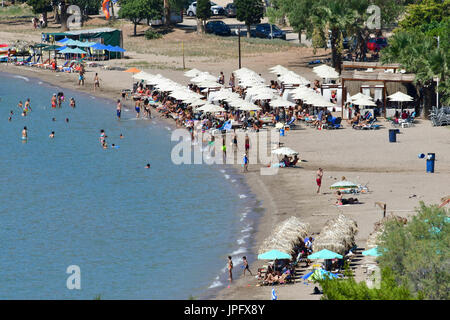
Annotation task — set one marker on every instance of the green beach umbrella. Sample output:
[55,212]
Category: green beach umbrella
[325,254]
[274,255]
[343,185]
[372,252]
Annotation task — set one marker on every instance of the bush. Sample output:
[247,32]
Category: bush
[152,34]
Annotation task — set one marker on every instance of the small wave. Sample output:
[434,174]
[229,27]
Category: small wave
[242,196]
[239,251]
[23,78]
[40,82]
[241,240]
[226,176]
[223,171]
[215,284]
[234,180]
[168,128]
[247,229]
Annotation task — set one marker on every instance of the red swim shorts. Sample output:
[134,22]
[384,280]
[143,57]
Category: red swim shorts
[319,182]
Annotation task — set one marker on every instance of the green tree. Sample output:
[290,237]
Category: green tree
[250,12]
[349,289]
[41,6]
[334,18]
[415,47]
[418,253]
[425,13]
[138,10]
[203,13]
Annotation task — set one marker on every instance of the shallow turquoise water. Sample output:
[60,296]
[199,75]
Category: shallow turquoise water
[162,233]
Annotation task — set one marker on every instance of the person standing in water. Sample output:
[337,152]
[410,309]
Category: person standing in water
[319,175]
[52,135]
[119,109]
[72,102]
[245,160]
[24,133]
[54,100]
[137,107]
[246,267]
[230,269]
[20,105]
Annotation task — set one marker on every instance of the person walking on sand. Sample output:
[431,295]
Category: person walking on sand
[230,269]
[246,267]
[119,109]
[319,175]
[96,81]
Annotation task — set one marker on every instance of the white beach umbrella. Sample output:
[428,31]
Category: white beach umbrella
[195,102]
[209,85]
[293,78]
[281,103]
[327,72]
[204,77]
[141,75]
[264,96]
[364,102]
[279,69]
[285,151]
[361,96]
[209,107]
[192,73]
[400,97]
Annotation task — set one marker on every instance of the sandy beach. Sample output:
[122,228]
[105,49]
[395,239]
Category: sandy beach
[392,171]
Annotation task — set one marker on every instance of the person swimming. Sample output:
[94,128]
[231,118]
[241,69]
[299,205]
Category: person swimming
[52,135]
[67,120]
[72,102]
[53,119]
[102,136]
[147,166]
[27,106]
[121,136]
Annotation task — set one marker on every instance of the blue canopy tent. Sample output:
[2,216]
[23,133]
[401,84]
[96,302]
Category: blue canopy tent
[63,40]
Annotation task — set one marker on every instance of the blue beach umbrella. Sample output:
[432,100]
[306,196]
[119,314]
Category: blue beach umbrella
[274,255]
[325,254]
[372,252]
[63,40]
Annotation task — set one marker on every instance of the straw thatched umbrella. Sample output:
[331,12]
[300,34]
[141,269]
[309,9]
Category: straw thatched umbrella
[337,235]
[286,236]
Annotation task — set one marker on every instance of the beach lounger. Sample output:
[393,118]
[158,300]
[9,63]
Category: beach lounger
[61,68]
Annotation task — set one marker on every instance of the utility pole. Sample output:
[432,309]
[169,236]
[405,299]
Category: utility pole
[239,45]
[437,79]
[182,46]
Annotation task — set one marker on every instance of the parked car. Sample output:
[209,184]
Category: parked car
[216,10]
[218,28]
[230,10]
[264,30]
[376,44]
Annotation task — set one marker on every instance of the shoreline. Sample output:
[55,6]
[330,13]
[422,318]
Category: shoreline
[45,76]
[391,170]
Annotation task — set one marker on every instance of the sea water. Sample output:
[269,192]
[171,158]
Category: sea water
[135,233]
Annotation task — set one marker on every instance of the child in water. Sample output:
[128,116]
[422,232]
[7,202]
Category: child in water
[72,102]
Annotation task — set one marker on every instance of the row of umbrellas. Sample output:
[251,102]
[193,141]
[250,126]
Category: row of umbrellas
[323,254]
[365,100]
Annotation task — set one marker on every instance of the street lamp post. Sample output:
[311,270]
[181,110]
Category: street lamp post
[239,45]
